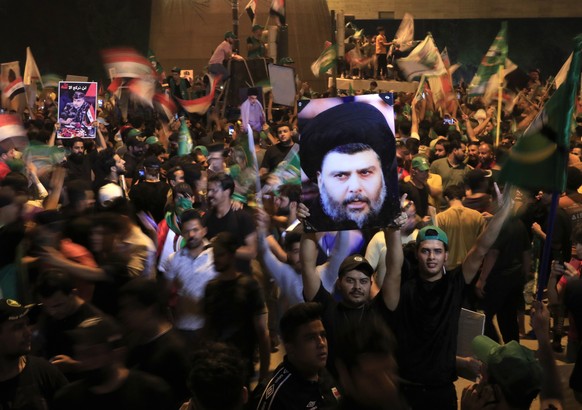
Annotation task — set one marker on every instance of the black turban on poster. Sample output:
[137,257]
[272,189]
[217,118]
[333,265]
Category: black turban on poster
[352,122]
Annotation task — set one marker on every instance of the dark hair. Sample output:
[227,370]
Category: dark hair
[476,180]
[77,139]
[78,94]
[291,191]
[106,159]
[290,239]
[412,144]
[405,127]
[454,192]
[217,377]
[226,182]
[182,188]
[53,281]
[226,241]
[454,144]
[282,124]
[189,215]
[298,315]
[17,181]
[171,174]
[370,336]
[147,293]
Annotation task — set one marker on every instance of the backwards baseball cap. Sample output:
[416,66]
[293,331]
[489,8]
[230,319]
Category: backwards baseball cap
[97,330]
[420,163]
[512,367]
[109,193]
[176,69]
[431,232]
[12,310]
[229,34]
[355,262]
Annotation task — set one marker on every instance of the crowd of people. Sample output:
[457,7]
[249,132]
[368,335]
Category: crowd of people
[139,270]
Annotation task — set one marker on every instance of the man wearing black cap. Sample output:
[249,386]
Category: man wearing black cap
[354,286]
[26,382]
[255,47]
[348,151]
[222,53]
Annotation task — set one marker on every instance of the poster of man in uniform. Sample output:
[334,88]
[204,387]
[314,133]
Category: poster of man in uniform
[348,162]
[77,109]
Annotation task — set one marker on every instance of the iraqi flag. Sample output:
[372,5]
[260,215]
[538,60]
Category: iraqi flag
[277,10]
[251,10]
[126,62]
[14,88]
[12,133]
[200,105]
[165,105]
[143,89]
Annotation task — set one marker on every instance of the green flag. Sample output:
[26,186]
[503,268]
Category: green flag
[490,63]
[539,158]
[184,138]
[325,61]
[156,65]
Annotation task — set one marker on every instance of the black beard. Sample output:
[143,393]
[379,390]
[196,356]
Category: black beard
[76,158]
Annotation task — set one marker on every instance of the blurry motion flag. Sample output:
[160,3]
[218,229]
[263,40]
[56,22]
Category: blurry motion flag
[405,33]
[51,80]
[166,105]
[277,10]
[201,105]
[126,62]
[543,149]
[492,60]
[424,59]
[251,10]
[326,60]
[12,133]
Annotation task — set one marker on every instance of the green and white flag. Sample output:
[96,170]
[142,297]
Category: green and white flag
[543,149]
[492,60]
[326,60]
[424,59]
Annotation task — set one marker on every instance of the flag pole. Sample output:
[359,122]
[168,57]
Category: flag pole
[499,101]
[544,265]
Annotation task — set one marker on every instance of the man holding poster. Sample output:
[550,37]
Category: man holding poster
[347,152]
[77,110]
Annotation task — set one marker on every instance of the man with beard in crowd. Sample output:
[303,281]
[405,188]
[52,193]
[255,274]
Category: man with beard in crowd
[187,273]
[277,153]
[340,152]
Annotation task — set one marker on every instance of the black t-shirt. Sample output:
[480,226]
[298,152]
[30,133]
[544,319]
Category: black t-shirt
[139,391]
[417,195]
[165,357]
[287,390]
[53,332]
[34,388]
[336,316]
[274,155]
[425,323]
[512,242]
[238,223]
[230,308]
